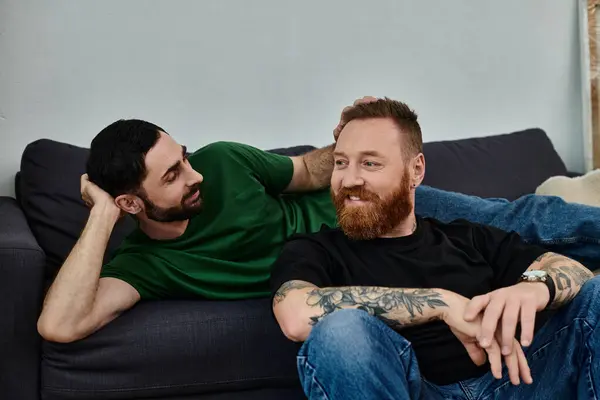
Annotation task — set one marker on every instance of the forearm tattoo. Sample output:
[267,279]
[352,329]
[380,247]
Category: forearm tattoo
[283,291]
[568,275]
[396,307]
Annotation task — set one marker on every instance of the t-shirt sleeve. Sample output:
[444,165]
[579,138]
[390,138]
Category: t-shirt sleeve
[506,252]
[137,271]
[301,259]
[273,171]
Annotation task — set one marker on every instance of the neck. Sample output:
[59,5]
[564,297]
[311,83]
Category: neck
[405,228]
[163,230]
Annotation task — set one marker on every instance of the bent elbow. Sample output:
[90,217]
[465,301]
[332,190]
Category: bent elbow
[58,334]
[295,330]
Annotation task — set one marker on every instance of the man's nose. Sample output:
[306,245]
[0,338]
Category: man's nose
[194,177]
[351,179]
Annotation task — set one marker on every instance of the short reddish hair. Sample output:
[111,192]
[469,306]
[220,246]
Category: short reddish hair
[400,113]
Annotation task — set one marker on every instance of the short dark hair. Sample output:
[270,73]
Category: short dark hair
[403,116]
[117,155]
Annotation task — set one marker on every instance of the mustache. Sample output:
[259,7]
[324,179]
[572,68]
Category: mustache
[192,191]
[358,191]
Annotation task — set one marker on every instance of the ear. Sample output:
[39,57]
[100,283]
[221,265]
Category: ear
[129,203]
[417,170]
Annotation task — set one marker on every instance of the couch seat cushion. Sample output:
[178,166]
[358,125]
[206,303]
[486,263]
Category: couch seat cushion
[174,348]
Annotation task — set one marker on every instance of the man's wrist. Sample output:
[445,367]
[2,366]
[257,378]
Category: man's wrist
[542,293]
[449,298]
[105,212]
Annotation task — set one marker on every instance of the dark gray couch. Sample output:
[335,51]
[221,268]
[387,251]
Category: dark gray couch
[182,349]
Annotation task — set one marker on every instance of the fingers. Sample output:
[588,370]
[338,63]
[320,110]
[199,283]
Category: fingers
[512,365]
[528,313]
[524,369]
[489,323]
[510,318]
[340,126]
[495,358]
[475,306]
[365,99]
[476,353]
[517,365]
[85,182]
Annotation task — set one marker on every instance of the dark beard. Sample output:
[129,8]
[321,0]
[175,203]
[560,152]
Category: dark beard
[377,218]
[181,212]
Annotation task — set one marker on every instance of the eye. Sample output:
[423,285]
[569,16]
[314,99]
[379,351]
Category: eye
[172,177]
[371,164]
[340,163]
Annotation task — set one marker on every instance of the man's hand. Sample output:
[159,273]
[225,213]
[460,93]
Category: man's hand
[338,129]
[508,305]
[468,331]
[92,196]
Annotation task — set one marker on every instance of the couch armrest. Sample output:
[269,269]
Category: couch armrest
[22,265]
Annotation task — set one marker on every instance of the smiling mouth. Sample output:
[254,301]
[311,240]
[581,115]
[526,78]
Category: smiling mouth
[193,197]
[354,200]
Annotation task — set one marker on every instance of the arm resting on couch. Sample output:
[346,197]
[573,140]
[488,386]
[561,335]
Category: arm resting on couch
[78,303]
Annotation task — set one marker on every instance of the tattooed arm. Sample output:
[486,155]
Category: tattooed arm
[568,276]
[504,308]
[298,305]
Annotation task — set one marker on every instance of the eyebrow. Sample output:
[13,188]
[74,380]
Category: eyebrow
[176,165]
[371,153]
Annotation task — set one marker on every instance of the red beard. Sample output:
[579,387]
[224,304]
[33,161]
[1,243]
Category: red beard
[378,217]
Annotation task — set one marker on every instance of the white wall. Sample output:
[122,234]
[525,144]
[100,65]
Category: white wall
[273,73]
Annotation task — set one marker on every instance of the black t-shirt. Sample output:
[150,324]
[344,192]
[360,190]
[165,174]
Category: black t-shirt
[466,258]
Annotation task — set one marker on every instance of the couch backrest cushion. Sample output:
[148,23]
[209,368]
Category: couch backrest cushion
[48,190]
[507,166]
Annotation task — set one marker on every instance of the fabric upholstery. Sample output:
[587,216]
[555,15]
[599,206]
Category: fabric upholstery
[506,166]
[21,285]
[173,348]
[49,192]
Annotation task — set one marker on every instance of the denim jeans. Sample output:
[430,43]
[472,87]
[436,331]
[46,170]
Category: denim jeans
[351,355]
[566,228]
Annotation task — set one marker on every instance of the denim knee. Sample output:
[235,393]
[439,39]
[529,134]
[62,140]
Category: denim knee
[587,302]
[591,291]
[352,335]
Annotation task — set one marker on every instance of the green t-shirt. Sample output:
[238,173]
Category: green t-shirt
[227,250]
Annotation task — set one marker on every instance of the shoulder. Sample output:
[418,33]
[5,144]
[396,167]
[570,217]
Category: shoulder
[477,234]
[459,229]
[233,149]
[221,147]
[242,155]
[456,225]
[217,151]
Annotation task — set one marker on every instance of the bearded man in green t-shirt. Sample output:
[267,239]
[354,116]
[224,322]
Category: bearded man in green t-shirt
[211,224]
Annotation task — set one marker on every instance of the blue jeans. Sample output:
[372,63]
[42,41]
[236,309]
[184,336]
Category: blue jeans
[566,228]
[351,355]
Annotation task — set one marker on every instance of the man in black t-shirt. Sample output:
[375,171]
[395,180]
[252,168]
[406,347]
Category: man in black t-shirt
[394,306]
